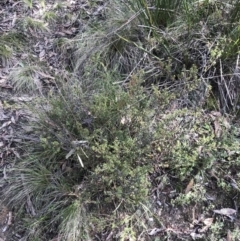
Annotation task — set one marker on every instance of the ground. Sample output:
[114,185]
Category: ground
[171,220]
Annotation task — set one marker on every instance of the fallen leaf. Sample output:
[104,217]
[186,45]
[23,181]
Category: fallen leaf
[199,150]
[203,229]
[3,80]
[16,153]
[226,123]
[14,19]
[226,212]
[213,114]
[69,32]
[4,229]
[229,236]
[2,116]
[10,218]
[60,34]
[80,160]
[196,236]
[64,165]
[5,124]
[125,120]
[3,84]
[217,129]
[42,54]
[155,231]
[189,186]
[78,143]
[45,75]
[22,98]
[208,221]
[70,153]
[13,120]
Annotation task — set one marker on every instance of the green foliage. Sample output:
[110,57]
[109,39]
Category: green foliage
[141,94]
[157,13]
[96,148]
[86,141]
[15,39]
[196,196]
[5,52]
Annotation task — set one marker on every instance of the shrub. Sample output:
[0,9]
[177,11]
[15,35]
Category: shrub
[134,105]
[91,159]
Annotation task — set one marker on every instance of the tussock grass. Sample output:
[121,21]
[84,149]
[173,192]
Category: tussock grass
[35,25]
[26,78]
[10,43]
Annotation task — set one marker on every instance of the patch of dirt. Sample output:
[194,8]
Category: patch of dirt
[209,205]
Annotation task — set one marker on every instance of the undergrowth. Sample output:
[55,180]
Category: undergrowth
[150,95]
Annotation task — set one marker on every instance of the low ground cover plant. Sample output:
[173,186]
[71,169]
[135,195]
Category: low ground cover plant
[143,122]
